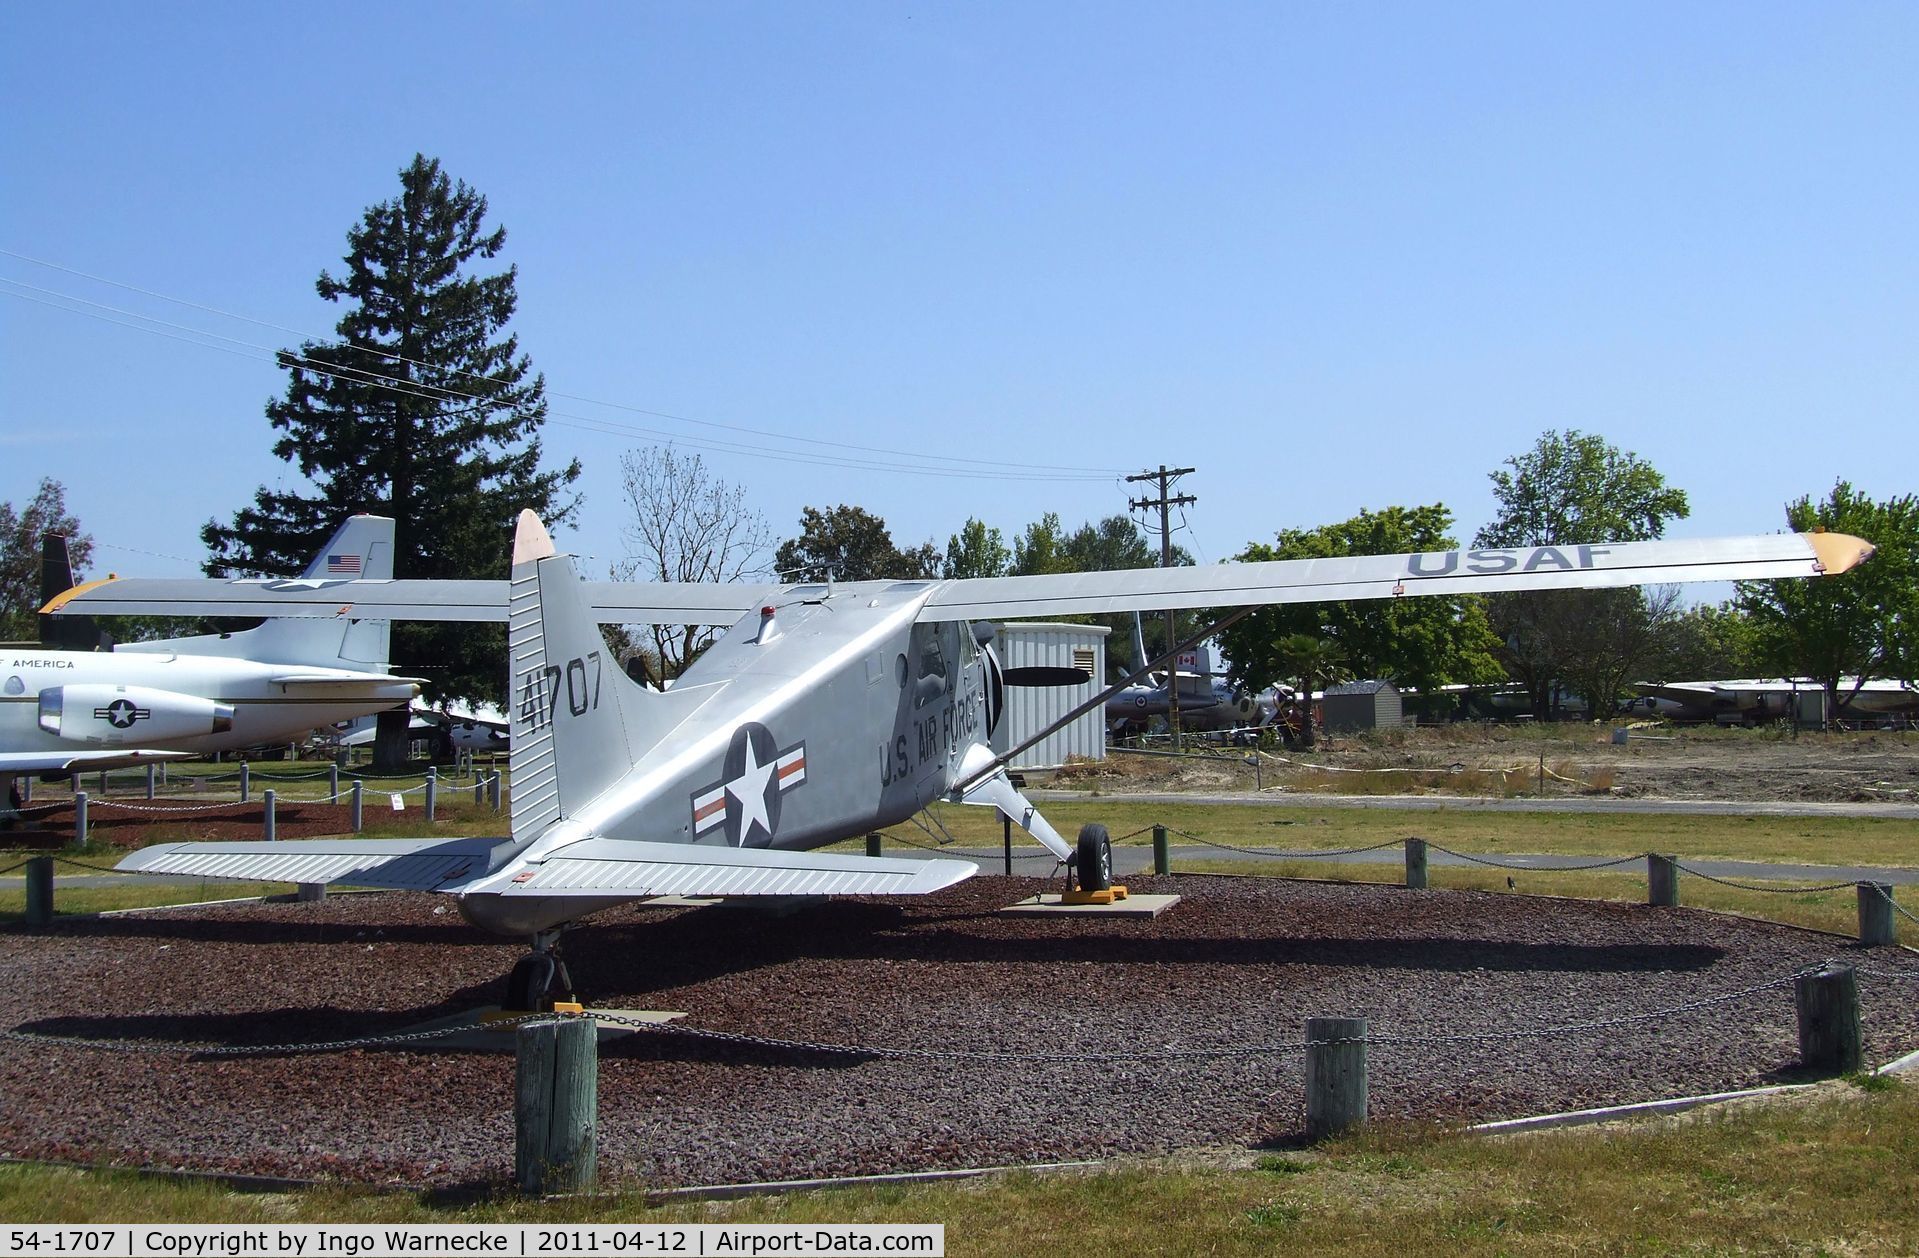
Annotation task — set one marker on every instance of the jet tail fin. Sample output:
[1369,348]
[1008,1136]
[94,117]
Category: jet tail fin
[578,722]
[362,548]
[64,633]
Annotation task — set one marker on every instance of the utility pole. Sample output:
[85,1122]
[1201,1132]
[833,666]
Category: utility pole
[1164,478]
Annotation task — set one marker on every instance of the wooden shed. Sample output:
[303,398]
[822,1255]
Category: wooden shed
[1361,705]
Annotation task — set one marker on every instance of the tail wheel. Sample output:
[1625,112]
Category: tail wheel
[530,987]
[1093,862]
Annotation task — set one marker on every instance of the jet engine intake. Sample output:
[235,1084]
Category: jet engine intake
[129,714]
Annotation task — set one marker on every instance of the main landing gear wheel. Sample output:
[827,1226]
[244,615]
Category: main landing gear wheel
[538,979]
[529,989]
[1093,862]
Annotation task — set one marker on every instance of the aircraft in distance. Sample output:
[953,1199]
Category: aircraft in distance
[1206,701]
[64,711]
[482,730]
[1752,701]
[825,713]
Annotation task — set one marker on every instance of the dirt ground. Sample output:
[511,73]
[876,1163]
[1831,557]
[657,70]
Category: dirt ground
[1749,765]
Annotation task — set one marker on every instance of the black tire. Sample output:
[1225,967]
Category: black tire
[1093,862]
[530,987]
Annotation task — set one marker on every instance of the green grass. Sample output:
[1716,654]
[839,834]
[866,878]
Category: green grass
[1823,1172]
[1299,827]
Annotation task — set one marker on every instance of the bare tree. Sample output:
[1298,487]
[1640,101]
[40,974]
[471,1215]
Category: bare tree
[687,525]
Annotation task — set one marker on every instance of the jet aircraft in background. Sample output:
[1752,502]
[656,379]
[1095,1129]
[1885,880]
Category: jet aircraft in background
[64,711]
[1755,700]
[825,713]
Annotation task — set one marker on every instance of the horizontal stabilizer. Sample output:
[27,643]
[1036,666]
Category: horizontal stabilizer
[82,761]
[615,867]
[394,864]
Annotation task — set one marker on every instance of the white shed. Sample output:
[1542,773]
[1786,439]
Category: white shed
[1030,709]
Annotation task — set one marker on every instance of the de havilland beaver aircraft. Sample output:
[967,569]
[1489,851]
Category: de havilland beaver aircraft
[64,711]
[825,713]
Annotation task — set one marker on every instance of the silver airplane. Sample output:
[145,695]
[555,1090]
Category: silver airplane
[825,713]
[65,711]
[1750,701]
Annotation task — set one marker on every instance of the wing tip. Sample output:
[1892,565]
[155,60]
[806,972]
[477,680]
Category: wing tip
[531,541]
[1838,552]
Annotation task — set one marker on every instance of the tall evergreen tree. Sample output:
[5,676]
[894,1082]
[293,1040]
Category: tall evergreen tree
[423,410]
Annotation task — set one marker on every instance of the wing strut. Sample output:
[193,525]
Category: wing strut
[999,762]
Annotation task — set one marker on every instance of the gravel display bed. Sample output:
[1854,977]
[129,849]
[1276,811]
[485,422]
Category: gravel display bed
[1237,962]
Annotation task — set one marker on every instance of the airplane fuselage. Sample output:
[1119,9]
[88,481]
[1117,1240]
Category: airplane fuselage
[53,701]
[842,718]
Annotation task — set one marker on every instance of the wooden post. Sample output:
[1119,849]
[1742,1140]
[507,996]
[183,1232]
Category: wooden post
[1162,852]
[246,782]
[333,783]
[103,784]
[1335,1075]
[73,783]
[357,815]
[432,790]
[555,1107]
[151,771]
[309,892]
[1828,1006]
[493,789]
[269,828]
[1415,864]
[1662,881]
[80,819]
[40,891]
[479,792]
[1006,837]
[872,845]
[1876,926]
[26,790]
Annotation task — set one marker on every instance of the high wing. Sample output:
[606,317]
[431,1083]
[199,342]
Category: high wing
[1397,576]
[980,598]
[82,761]
[612,602]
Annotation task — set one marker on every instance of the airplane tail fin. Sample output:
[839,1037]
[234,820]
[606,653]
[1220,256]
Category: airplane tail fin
[64,633]
[578,722]
[362,547]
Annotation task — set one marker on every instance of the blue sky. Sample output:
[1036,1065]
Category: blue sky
[1333,257]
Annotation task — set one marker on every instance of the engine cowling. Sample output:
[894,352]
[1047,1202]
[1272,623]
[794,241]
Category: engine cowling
[136,715]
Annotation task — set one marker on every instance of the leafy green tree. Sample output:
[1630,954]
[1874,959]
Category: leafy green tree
[1041,548]
[976,551]
[1842,630]
[423,409]
[852,544]
[1707,642]
[1422,643]
[1574,488]
[20,532]
[1316,662]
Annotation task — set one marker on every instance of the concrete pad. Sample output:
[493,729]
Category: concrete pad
[1131,906]
[477,1034]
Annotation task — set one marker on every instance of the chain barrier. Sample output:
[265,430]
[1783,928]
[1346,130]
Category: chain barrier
[1747,886]
[22,865]
[1896,906]
[1895,975]
[98,869]
[1279,853]
[165,810]
[1538,869]
[1213,1052]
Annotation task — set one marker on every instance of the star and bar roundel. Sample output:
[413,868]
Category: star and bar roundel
[746,799]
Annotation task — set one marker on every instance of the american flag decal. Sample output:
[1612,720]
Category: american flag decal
[343,565]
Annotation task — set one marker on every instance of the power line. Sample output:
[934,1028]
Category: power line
[322,342]
[441,393]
